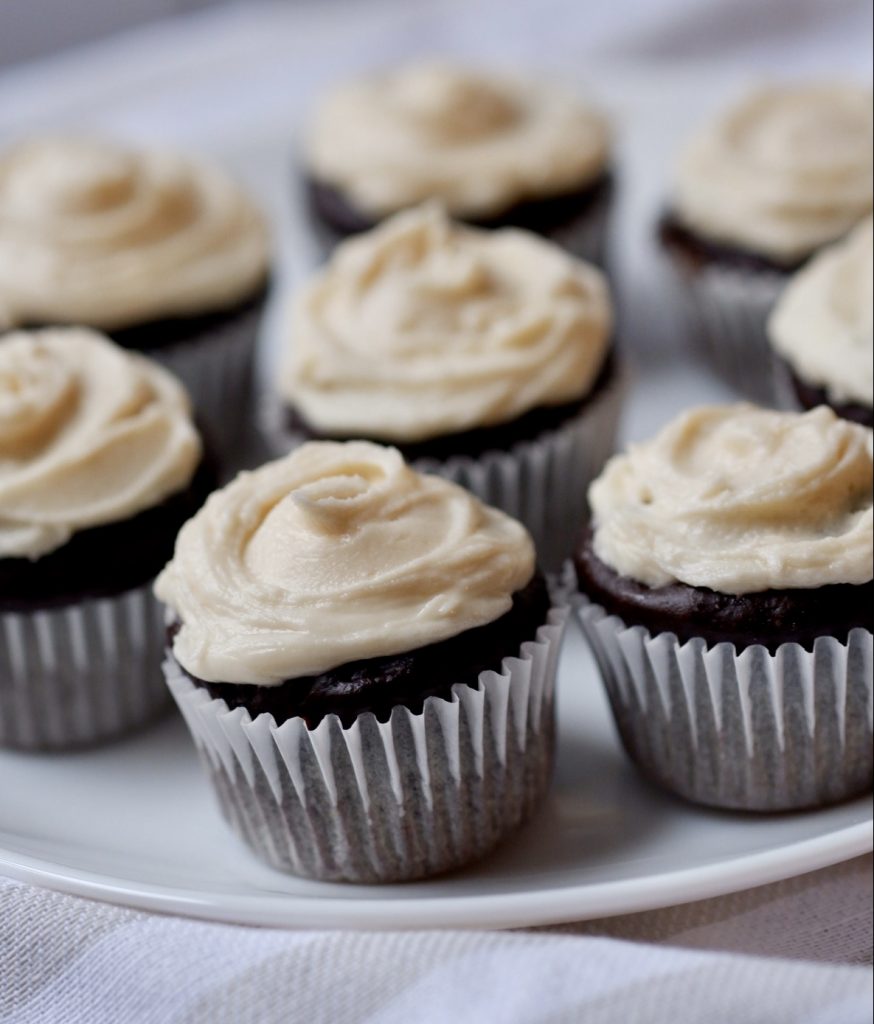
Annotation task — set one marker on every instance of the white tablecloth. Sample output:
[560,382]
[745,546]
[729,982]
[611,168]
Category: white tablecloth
[68,961]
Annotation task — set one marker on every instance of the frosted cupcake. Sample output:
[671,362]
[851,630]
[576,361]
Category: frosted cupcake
[98,470]
[495,150]
[726,589]
[778,176]
[822,330]
[165,254]
[365,657]
[484,356]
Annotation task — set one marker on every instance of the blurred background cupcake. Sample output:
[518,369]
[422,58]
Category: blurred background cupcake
[726,590]
[772,180]
[98,470]
[164,253]
[496,150]
[484,356]
[366,659]
[822,329]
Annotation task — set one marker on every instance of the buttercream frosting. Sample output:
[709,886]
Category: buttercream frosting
[94,233]
[740,500]
[480,143]
[424,328]
[335,553]
[823,325]
[783,172]
[89,435]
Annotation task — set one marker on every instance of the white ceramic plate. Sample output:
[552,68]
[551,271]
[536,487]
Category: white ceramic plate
[136,824]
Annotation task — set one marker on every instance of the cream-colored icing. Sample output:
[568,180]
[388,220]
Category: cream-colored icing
[823,324]
[424,328]
[336,553]
[479,143]
[97,234]
[89,435]
[785,171]
[740,500]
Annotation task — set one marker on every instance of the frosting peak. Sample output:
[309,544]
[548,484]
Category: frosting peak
[336,553]
[94,233]
[823,324]
[478,143]
[783,172]
[740,500]
[424,328]
[89,434]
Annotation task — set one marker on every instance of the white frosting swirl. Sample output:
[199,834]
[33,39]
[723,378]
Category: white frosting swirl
[823,324]
[782,173]
[89,435]
[740,500]
[424,328]
[479,143]
[336,553]
[96,234]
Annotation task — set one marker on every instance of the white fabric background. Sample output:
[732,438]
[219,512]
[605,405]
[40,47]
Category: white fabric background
[66,961]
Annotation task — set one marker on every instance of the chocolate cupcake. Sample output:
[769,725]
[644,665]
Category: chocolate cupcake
[821,330]
[773,180]
[484,356]
[365,657]
[496,151]
[163,253]
[98,471]
[726,590]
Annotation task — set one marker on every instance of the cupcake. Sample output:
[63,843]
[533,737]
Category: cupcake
[757,192]
[726,590]
[163,253]
[821,329]
[483,356]
[496,151]
[98,470]
[365,657]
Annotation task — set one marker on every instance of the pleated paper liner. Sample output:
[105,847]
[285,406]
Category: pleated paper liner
[82,674]
[725,313]
[746,730]
[390,801]
[218,371]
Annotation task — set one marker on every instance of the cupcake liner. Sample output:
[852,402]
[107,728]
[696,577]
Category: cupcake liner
[747,730]
[725,311]
[217,369]
[388,801]
[587,236]
[543,482]
[81,674]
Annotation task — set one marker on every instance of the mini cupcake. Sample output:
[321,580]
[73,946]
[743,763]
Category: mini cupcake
[822,329]
[165,254]
[777,177]
[98,471]
[726,589]
[496,151]
[365,657]
[483,356]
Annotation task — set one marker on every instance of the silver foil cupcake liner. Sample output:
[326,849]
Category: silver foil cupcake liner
[543,483]
[218,371]
[82,674]
[725,313]
[389,801]
[748,730]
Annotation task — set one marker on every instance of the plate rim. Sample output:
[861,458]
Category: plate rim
[531,908]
